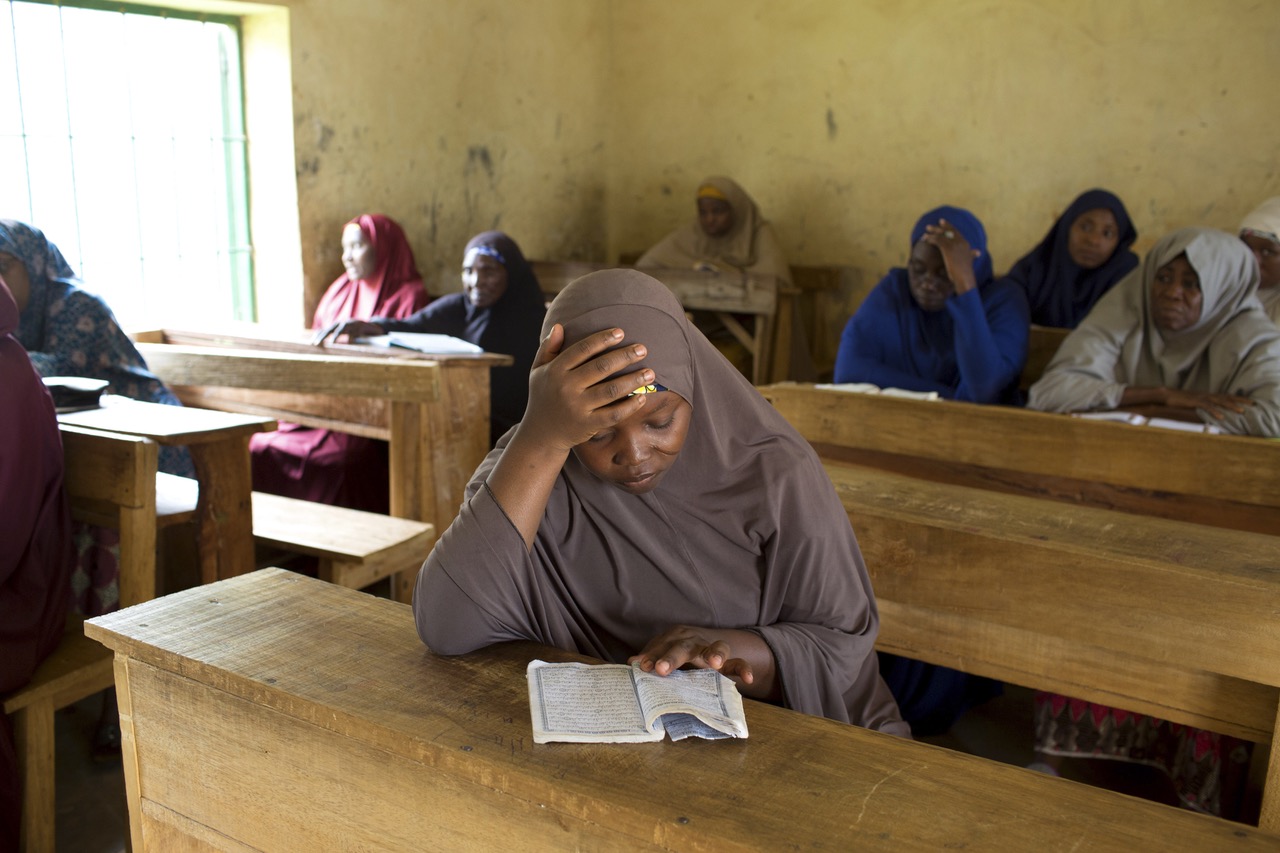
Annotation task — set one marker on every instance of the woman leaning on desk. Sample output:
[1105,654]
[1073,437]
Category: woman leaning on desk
[941,323]
[651,506]
[730,235]
[326,466]
[1183,336]
[500,310]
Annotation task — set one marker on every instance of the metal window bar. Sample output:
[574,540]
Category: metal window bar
[226,162]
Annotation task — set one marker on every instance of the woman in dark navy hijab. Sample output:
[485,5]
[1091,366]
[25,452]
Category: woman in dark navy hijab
[1083,255]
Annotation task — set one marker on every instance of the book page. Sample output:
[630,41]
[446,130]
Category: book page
[424,342]
[1118,417]
[1185,426]
[703,693]
[583,703]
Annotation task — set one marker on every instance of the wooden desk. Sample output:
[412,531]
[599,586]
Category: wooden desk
[1220,480]
[722,293]
[1131,566]
[219,446]
[433,411]
[336,727]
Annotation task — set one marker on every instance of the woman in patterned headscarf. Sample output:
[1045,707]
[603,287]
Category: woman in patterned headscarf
[68,331]
[651,506]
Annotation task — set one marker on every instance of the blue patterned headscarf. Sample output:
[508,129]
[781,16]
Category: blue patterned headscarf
[68,331]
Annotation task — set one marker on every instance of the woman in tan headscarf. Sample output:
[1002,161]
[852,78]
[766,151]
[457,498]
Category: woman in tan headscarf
[730,235]
[680,523]
[1183,335]
[1260,231]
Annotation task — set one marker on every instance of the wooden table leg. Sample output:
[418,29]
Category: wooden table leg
[1269,815]
[224,514]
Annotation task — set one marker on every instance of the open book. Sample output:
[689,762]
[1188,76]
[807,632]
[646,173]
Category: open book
[868,388]
[617,703]
[1142,420]
[424,342]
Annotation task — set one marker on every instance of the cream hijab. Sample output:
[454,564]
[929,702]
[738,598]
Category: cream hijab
[750,245]
[1234,348]
[1264,220]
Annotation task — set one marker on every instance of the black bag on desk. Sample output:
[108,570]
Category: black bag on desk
[73,393]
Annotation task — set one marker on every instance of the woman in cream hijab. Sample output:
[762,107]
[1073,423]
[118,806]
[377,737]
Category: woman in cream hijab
[1184,336]
[1260,231]
[730,235]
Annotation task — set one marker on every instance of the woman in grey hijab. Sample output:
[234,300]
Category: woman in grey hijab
[653,507]
[1184,335]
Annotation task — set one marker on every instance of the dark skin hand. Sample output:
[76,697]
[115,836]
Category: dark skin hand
[693,647]
[350,329]
[957,254]
[1180,405]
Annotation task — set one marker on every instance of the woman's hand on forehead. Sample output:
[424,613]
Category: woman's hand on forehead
[579,390]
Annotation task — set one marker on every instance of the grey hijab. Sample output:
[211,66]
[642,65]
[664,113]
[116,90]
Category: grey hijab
[1234,348]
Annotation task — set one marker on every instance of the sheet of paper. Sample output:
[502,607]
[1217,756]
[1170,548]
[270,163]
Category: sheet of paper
[424,342]
[585,704]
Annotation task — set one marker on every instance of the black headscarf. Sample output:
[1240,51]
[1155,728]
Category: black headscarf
[1059,291]
[510,326]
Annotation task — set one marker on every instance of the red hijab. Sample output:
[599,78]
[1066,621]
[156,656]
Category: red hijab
[394,290]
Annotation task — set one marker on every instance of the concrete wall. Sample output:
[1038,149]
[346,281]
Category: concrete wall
[847,120]
[582,126]
[452,117]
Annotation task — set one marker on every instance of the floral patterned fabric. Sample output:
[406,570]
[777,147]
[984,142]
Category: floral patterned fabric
[1206,768]
[68,331]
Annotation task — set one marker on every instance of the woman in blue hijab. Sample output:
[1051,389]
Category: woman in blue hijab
[1083,255]
[941,323]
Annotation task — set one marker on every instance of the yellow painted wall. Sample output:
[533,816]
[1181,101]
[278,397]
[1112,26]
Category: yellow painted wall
[848,120]
[452,117]
[582,126]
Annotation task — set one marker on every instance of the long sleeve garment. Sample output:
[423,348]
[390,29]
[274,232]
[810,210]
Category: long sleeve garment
[745,531]
[1233,349]
[973,350]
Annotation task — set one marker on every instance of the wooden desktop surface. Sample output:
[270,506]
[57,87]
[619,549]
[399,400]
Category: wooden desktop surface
[219,447]
[276,712]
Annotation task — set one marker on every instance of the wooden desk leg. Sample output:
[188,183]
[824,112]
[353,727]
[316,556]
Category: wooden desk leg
[413,493]
[224,514]
[1269,815]
[129,752]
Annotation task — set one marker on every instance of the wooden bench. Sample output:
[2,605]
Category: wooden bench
[355,548]
[1071,586]
[110,480]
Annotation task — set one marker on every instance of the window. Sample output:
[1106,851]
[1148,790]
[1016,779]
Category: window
[122,138]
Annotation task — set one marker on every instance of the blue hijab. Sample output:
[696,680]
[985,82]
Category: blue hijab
[931,334]
[1059,291]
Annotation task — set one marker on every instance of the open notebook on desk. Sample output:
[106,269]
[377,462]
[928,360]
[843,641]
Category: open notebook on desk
[423,342]
[1142,420]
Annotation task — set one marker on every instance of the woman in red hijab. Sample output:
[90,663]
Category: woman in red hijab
[381,279]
